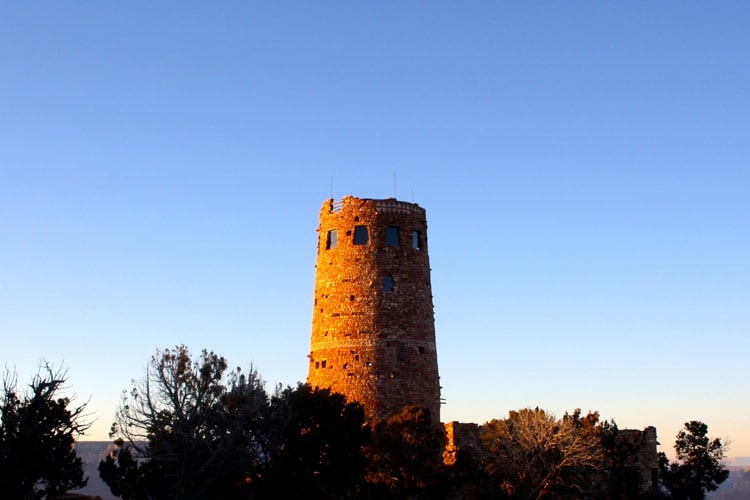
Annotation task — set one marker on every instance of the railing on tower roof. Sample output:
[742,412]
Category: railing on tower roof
[393,205]
[382,205]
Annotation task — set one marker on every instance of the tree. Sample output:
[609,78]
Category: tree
[406,456]
[533,455]
[38,430]
[189,430]
[318,452]
[698,468]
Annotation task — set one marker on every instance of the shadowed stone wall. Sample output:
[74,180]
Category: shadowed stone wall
[373,330]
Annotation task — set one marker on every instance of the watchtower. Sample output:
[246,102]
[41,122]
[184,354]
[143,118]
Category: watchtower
[373,329]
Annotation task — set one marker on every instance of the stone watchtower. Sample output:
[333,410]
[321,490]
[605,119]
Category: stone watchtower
[373,330]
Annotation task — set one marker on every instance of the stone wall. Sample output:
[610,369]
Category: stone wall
[639,450]
[373,331]
[635,449]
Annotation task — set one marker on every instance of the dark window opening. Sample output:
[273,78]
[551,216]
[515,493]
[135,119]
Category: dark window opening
[399,352]
[346,365]
[392,238]
[416,239]
[368,363]
[317,365]
[356,357]
[387,283]
[360,235]
[351,298]
[322,364]
[420,349]
[331,239]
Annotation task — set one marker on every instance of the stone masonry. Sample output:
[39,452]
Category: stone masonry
[373,329]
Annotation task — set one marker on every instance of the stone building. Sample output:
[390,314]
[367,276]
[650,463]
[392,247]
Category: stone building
[373,329]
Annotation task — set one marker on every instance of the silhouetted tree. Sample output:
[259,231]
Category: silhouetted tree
[318,452]
[698,468]
[38,430]
[406,456]
[131,478]
[189,430]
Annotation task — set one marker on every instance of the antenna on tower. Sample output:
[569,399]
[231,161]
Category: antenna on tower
[331,187]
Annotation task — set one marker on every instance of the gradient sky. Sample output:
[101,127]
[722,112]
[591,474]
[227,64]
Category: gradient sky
[585,167]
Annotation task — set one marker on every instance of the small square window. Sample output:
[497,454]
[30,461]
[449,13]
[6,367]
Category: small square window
[331,239]
[416,239]
[400,355]
[387,283]
[391,236]
[360,235]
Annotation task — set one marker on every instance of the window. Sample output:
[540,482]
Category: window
[360,235]
[391,236]
[399,352]
[416,239]
[387,283]
[331,239]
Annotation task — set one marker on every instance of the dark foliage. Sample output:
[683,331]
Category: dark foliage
[319,452]
[130,478]
[698,468]
[406,456]
[188,430]
[38,430]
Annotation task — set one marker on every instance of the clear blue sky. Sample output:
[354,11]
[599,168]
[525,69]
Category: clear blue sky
[585,169]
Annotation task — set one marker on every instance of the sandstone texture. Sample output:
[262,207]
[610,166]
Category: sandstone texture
[373,329]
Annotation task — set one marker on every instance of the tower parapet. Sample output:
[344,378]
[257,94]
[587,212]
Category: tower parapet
[373,328]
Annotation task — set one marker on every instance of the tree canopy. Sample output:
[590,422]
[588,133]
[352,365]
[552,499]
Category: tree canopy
[699,466]
[406,456]
[318,452]
[531,454]
[188,429]
[192,429]
[38,430]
